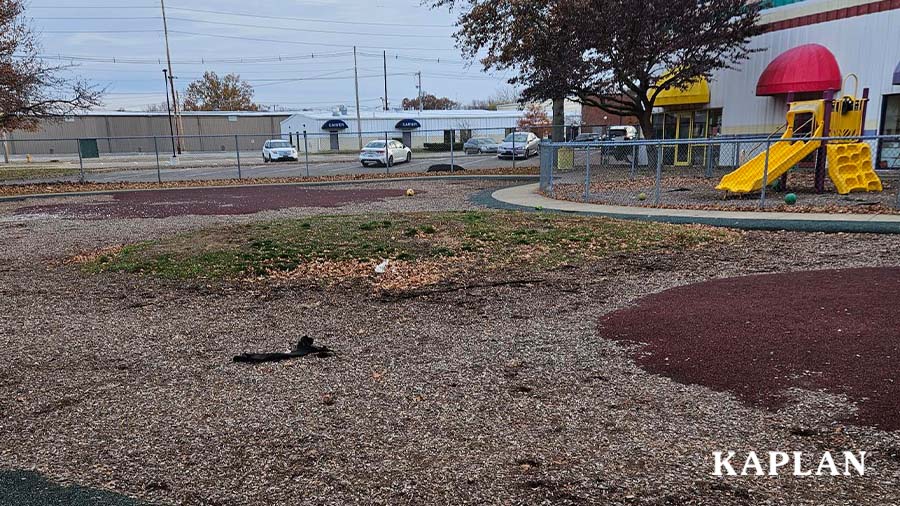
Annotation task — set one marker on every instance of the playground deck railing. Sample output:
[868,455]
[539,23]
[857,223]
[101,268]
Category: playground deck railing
[685,173]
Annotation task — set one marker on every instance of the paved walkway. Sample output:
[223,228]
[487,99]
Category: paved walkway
[527,198]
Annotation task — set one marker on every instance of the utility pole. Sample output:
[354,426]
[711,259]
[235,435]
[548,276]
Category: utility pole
[356,81]
[162,4]
[419,86]
[169,110]
[385,83]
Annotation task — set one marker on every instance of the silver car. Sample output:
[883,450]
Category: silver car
[480,145]
[519,145]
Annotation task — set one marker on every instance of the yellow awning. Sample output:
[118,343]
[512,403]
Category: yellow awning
[695,93]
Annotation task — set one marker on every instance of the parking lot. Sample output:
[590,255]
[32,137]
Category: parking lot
[212,166]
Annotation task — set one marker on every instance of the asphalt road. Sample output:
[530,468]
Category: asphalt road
[254,168]
[23,488]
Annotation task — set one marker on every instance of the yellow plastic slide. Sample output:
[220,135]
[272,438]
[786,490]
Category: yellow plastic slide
[782,156]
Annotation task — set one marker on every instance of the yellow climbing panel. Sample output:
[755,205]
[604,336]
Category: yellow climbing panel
[850,168]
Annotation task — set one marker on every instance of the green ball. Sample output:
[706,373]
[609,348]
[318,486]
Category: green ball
[790,199]
[642,196]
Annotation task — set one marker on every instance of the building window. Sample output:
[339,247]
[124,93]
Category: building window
[889,151]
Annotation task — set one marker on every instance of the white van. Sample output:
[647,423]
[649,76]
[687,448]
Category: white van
[622,133]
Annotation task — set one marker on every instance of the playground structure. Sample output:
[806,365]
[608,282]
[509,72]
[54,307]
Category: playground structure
[809,125]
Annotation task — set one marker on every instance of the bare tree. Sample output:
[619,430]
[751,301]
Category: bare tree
[31,90]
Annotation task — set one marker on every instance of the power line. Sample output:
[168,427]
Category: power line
[233,13]
[238,37]
[199,61]
[313,20]
[243,25]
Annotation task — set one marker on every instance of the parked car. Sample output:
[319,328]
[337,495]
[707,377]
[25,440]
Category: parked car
[589,137]
[479,145]
[519,145]
[276,149]
[622,133]
[374,153]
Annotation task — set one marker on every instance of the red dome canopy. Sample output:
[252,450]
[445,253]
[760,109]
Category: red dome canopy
[810,67]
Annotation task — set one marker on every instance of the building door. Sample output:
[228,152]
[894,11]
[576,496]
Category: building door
[698,131]
[889,151]
[683,151]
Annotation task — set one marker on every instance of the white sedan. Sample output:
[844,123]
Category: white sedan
[374,153]
[276,149]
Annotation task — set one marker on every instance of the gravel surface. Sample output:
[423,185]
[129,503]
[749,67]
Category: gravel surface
[688,189]
[490,395]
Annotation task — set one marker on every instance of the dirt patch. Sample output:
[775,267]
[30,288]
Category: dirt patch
[758,336]
[209,201]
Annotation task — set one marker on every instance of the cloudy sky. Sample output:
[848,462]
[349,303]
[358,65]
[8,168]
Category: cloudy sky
[296,53]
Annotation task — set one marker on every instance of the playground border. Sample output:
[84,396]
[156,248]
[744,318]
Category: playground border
[498,177]
[527,198]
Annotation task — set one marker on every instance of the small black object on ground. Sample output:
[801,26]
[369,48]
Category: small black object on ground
[445,167]
[303,348]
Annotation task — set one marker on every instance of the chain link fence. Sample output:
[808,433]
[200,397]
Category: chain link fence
[320,154]
[726,173]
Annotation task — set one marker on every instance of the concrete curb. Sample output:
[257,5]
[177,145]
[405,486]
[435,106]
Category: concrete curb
[526,198]
[499,177]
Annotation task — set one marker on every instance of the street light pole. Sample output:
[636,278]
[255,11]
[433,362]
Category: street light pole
[169,110]
[385,82]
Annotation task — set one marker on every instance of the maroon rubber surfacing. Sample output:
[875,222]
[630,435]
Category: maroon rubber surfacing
[209,201]
[756,336]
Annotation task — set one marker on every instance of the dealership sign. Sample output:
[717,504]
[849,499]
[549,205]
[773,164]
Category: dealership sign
[335,124]
[408,124]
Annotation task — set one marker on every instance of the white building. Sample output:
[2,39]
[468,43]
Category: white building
[809,47]
[338,130]
[571,110]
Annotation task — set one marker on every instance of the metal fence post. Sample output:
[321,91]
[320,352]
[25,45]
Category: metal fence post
[709,151]
[237,149]
[765,180]
[514,150]
[306,151]
[658,188]
[158,169]
[452,142]
[387,153]
[80,162]
[587,173]
[554,159]
[633,160]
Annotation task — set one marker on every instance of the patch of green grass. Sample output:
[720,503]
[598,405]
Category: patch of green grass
[25,173]
[497,239]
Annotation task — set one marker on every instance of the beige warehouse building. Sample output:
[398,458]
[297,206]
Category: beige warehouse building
[133,132]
